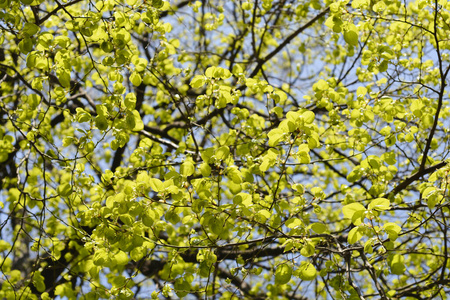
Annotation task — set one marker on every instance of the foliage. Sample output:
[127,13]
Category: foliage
[224,149]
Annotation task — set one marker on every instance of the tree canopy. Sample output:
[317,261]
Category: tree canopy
[260,149]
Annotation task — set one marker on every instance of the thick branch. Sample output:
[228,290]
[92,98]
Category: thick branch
[405,183]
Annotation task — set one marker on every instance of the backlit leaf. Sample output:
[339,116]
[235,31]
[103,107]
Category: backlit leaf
[283,274]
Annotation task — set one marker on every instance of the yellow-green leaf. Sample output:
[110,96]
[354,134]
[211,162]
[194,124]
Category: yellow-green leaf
[379,204]
[283,274]
[307,271]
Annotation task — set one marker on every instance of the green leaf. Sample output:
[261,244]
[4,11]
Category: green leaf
[308,249]
[38,281]
[379,204]
[279,96]
[360,3]
[63,41]
[354,235]
[138,124]
[319,228]
[130,101]
[198,81]
[137,253]
[136,79]
[283,274]
[335,23]
[182,287]
[63,77]
[4,245]
[392,230]
[121,258]
[293,223]
[140,64]
[148,217]
[222,153]
[385,131]
[308,117]
[216,225]
[307,271]
[82,115]
[361,91]
[351,38]
[64,190]
[263,215]
[31,29]
[187,168]
[236,177]
[379,7]
[210,72]
[397,264]
[321,85]
[26,45]
[243,199]
[100,257]
[275,136]
[101,122]
[205,169]
[351,209]
[156,184]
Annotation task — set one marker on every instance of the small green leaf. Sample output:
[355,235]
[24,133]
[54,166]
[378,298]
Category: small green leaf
[216,225]
[136,79]
[283,274]
[38,281]
[308,250]
[156,184]
[130,101]
[392,230]
[397,264]
[121,258]
[264,214]
[187,168]
[148,217]
[351,37]
[379,7]
[379,204]
[205,169]
[63,77]
[4,245]
[138,124]
[307,271]
[210,72]
[275,136]
[101,122]
[64,190]
[354,235]
[321,85]
[198,81]
[182,287]
[222,153]
[319,228]
[235,175]
[308,117]
[361,91]
[279,96]
[293,223]
[137,253]
[350,209]
[82,115]
[31,29]
[386,130]
[100,257]
[26,45]
[140,64]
